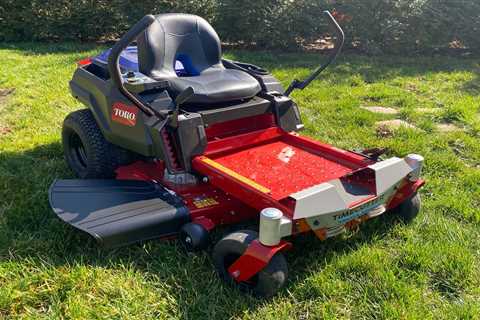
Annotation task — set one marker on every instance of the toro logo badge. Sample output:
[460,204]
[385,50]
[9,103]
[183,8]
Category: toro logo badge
[124,114]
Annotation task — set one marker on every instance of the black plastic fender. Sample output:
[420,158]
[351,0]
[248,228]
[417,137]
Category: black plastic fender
[118,212]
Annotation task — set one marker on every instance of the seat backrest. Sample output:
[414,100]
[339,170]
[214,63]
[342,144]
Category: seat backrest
[178,37]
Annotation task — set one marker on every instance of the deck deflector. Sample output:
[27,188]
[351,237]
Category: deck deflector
[118,212]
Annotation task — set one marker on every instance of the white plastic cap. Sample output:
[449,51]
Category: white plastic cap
[271,213]
[270,220]
[414,160]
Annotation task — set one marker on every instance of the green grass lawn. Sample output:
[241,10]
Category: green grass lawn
[429,269]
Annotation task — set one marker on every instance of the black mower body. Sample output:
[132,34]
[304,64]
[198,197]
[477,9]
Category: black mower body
[93,86]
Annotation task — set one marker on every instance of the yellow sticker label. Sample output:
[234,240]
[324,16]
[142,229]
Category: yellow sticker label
[204,202]
[235,175]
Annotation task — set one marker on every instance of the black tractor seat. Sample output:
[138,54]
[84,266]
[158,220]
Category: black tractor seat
[194,43]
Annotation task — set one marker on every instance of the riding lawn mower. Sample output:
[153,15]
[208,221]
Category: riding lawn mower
[177,142]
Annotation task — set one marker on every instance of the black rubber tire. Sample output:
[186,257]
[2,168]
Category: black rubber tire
[86,151]
[194,237]
[264,284]
[409,209]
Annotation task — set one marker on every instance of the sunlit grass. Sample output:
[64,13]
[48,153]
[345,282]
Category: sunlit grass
[386,270]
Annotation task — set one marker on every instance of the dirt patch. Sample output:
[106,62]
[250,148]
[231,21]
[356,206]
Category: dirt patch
[447,127]
[412,88]
[5,130]
[4,93]
[379,109]
[386,128]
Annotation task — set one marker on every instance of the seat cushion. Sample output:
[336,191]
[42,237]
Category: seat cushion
[194,43]
[215,85]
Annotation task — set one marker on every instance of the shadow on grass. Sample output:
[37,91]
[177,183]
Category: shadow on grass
[32,234]
[472,87]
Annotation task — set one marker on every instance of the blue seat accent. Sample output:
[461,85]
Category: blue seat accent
[187,64]
[129,61]
[128,58]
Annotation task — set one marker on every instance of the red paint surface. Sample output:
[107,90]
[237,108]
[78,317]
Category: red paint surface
[284,168]
[239,126]
[205,222]
[407,190]
[240,190]
[256,257]
[282,162]
[228,209]
[349,158]
[140,170]
[228,145]
[84,62]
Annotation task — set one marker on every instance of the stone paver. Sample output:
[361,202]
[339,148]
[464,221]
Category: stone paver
[379,109]
[387,127]
[447,127]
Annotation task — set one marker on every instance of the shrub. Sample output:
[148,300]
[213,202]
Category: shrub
[411,25]
[86,20]
[267,23]
[375,26]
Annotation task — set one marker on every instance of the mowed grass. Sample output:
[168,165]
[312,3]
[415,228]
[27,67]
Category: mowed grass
[429,269]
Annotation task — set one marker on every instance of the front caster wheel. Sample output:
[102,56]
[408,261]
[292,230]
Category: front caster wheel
[264,284]
[408,209]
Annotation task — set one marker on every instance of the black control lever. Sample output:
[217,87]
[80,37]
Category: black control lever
[297,84]
[183,97]
[113,62]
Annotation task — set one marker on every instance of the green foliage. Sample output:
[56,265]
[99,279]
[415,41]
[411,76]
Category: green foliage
[267,23]
[411,25]
[84,19]
[375,26]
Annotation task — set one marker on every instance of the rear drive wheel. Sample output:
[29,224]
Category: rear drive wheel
[264,284]
[408,209]
[86,151]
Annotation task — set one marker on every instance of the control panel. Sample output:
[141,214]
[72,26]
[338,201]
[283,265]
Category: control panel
[137,82]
